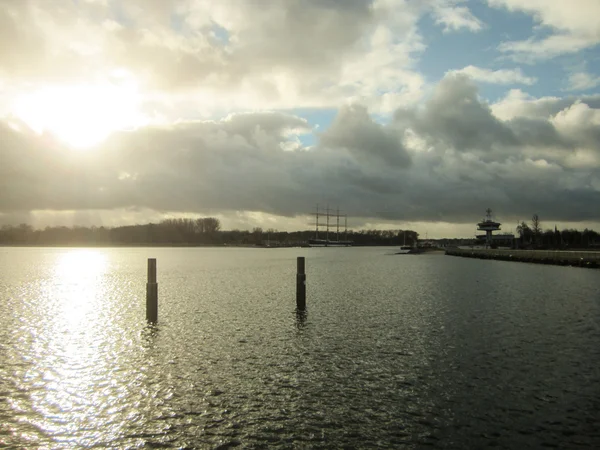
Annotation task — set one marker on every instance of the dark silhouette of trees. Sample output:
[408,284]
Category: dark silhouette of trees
[207,231]
[525,234]
[579,239]
[536,228]
[211,225]
[188,232]
[555,239]
[565,239]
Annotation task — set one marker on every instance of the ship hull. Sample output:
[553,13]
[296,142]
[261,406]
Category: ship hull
[326,243]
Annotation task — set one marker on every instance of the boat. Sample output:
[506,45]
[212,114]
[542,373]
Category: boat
[328,243]
[316,242]
[404,249]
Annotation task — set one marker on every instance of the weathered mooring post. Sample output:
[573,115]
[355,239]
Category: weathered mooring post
[301,285]
[152,292]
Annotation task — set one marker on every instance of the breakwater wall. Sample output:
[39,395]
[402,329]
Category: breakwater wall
[557,257]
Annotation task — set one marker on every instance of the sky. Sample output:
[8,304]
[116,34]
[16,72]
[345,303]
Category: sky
[412,114]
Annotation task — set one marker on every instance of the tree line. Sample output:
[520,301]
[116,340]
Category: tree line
[187,232]
[533,236]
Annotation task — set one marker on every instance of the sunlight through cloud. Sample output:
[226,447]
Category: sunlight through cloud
[82,115]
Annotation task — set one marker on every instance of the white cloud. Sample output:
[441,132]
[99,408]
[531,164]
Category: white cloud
[575,24]
[582,81]
[520,104]
[455,18]
[512,105]
[281,55]
[574,15]
[577,118]
[532,50]
[501,76]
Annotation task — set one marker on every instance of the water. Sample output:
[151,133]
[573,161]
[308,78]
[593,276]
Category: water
[411,350]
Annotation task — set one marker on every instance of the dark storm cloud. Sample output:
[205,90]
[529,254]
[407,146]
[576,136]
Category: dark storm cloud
[454,115]
[370,143]
[444,161]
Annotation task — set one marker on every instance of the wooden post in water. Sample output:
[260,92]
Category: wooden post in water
[301,285]
[152,292]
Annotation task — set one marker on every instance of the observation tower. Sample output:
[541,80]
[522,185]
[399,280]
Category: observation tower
[488,225]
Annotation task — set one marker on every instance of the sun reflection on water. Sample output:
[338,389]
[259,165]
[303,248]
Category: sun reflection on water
[85,372]
[74,358]
[80,264]
[78,278]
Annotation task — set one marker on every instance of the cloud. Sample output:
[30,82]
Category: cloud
[456,117]
[455,18]
[580,123]
[213,78]
[366,140]
[501,76]
[582,81]
[574,25]
[532,49]
[446,160]
[520,104]
[572,16]
[221,56]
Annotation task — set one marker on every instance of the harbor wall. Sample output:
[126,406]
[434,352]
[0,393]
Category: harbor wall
[557,257]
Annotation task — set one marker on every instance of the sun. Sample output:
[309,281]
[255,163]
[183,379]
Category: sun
[81,115]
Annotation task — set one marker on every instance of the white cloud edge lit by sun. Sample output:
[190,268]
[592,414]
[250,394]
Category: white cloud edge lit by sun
[500,76]
[455,18]
[581,81]
[573,26]
[81,115]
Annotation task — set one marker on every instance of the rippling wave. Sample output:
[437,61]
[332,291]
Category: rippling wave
[393,351]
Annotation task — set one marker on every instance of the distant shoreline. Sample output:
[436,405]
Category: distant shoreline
[174,246]
[131,245]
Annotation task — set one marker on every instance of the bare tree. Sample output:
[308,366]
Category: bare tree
[536,227]
[211,225]
[525,233]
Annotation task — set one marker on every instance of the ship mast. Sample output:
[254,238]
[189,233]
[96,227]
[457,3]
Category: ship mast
[317,225]
[327,233]
[337,233]
[346,228]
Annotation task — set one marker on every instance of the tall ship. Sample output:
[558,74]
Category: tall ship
[331,239]
[328,243]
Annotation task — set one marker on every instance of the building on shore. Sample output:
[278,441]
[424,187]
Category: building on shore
[490,240]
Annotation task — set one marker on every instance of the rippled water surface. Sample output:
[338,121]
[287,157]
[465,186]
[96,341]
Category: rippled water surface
[407,350]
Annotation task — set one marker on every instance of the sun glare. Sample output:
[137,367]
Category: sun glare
[79,265]
[81,115]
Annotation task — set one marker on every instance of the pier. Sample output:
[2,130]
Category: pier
[556,257]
